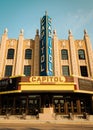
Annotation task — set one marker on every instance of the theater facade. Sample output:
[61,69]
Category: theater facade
[46,73]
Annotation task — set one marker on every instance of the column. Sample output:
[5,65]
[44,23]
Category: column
[0,104]
[66,107]
[14,99]
[78,107]
[72,107]
[27,104]
[92,104]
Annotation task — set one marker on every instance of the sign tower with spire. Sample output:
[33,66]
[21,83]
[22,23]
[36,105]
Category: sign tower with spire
[46,52]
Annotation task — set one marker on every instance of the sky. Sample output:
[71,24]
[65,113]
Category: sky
[75,15]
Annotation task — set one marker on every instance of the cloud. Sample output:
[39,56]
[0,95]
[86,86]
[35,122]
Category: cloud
[79,19]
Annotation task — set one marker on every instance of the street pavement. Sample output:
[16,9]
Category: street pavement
[45,126]
[15,123]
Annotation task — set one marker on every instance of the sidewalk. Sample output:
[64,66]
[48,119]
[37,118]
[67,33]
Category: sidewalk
[29,120]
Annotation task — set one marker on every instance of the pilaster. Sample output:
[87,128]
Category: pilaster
[89,52]
[74,65]
[56,55]
[3,52]
[19,61]
[36,54]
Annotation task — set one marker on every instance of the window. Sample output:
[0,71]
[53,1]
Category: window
[10,54]
[27,70]
[84,71]
[64,54]
[8,70]
[65,70]
[81,54]
[28,54]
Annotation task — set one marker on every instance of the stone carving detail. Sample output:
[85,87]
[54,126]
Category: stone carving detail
[64,44]
[82,62]
[69,32]
[10,62]
[65,62]
[54,32]
[80,44]
[28,44]
[37,32]
[85,31]
[12,43]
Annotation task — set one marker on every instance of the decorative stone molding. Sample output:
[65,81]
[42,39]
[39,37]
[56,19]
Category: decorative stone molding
[27,62]
[64,44]
[5,31]
[64,62]
[82,62]
[37,32]
[28,44]
[54,32]
[9,62]
[22,32]
[80,44]
[12,43]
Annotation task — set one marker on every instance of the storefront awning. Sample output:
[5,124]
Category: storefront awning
[82,91]
[9,92]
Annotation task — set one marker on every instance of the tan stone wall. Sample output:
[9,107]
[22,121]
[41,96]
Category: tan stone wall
[19,45]
[80,44]
[73,61]
[64,44]
[19,56]
[10,44]
[28,44]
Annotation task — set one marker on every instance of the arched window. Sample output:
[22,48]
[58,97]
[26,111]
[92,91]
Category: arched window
[28,54]
[81,54]
[10,54]
[64,54]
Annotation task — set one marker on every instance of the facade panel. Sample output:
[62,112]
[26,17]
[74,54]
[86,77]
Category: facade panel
[46,73]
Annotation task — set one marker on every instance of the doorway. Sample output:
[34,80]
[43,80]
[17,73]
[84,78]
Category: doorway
[47,101]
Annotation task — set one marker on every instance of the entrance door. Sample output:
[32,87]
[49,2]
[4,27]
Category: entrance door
[63,105]
[47,101]
[85,107]
[20,104]
[33,105]
[59,105]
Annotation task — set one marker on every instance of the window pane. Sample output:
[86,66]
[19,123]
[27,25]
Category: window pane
[8,70]
[27,70]
[64,54]
[10,54]
[81,54]
[84,71]
[28,54]
[65,70]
